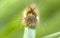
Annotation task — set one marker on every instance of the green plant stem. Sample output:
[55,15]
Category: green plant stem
[29,33]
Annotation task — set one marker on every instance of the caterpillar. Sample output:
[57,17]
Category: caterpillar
[31,16]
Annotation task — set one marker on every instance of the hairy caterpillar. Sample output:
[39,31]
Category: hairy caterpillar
[31,17]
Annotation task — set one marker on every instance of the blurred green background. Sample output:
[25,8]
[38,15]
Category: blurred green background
[11,14]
